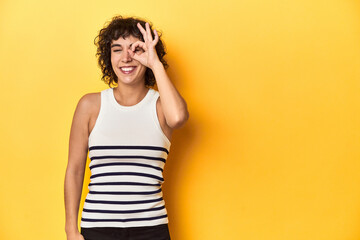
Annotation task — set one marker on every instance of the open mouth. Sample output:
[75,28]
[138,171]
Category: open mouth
[127,70]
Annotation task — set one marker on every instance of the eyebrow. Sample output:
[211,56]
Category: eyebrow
[118,45]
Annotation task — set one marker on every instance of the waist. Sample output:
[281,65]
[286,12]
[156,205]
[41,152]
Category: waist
[123,210]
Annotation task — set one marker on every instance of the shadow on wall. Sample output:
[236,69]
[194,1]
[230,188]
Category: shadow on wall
[177,164]
[179,160]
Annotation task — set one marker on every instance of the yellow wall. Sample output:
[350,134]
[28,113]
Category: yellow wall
[272,147]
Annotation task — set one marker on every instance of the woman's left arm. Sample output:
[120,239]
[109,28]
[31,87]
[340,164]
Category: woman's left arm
[172,103]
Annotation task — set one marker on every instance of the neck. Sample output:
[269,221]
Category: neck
[130,95]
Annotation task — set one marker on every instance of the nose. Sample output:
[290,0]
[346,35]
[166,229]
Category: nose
[125,56]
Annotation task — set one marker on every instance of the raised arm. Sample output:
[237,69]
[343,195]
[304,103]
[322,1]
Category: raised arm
[172,103]
[74,176]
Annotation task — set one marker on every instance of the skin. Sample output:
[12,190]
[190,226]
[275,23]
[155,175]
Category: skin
[171,110]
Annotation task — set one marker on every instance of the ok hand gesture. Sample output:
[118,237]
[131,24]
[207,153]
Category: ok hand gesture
[148,57]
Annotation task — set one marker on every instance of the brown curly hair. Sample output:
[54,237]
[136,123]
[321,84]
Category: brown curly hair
[120,26]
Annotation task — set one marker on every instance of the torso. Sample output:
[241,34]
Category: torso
[95,99]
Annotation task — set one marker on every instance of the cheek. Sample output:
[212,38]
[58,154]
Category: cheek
[114,64]
[114,59]
[143,69]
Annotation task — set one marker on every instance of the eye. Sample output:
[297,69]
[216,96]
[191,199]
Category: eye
[117,50]
[138,49]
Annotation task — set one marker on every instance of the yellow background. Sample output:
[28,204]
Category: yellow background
[272,146]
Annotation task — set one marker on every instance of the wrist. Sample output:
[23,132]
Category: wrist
[71,230]
[157,65]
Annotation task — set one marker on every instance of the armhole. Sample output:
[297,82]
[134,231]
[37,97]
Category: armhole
[156,120]
[99,117]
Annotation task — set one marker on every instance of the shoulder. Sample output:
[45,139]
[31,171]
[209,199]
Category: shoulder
[89,102]
[90,98]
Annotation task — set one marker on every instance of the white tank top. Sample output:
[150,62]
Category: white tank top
[128,151]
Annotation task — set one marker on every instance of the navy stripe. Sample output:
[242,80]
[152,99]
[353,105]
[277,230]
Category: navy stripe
[126,173]
[124,183]
[129,147]
[123,202]
[126,163]
[125,193]
[122,220]
[142,157]
[126,211]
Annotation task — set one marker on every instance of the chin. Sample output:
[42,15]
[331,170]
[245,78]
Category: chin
[129,82]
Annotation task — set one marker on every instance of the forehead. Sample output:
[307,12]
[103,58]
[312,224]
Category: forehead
[128,41]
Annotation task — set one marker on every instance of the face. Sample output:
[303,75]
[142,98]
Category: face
[128,70]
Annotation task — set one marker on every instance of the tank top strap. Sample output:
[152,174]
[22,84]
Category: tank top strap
[155,96]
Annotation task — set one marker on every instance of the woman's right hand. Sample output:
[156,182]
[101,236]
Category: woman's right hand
[75,236]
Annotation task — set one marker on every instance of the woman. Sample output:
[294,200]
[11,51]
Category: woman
[127,131]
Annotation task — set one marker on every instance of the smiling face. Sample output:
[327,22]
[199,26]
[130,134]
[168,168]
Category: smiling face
[128,70]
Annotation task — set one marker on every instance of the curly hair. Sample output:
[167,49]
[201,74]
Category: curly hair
[120,26]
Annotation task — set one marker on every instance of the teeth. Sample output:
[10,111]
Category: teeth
[127,69]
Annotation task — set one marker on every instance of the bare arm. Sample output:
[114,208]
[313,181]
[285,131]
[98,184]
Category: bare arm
[173,105]
[74,176]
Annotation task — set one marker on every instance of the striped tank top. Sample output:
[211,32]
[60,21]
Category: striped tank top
[127,152]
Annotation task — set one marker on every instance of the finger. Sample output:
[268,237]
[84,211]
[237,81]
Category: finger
[133,55]
[148,31]
[156,37]
[142,30]
[138,44]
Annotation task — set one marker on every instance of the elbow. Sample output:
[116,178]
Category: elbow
[179,120]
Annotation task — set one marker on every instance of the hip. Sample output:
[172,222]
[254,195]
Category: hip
[157,232]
